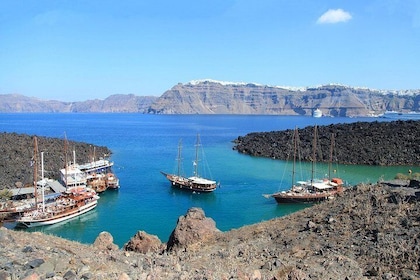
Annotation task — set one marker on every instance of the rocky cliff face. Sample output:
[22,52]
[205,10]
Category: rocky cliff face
[212,97]
[119,103]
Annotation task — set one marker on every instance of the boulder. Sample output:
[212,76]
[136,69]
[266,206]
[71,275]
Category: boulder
[143,242]
[105,242]
[191,229]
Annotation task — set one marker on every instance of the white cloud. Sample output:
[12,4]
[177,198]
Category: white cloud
[334,16]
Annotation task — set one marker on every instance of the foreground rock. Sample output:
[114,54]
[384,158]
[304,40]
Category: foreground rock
[191,229]
[143,242]
[354,143]
[371,232]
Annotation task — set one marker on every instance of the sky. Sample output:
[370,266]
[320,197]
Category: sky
[76,50]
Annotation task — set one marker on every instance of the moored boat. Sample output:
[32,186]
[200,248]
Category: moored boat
[59,207]
[99,174]
[194,183]
[305,192]
[111,181]
[314,190]
[96,174]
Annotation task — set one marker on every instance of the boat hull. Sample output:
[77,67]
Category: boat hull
[29,223]
[306,197]
[284,198]
[189,184]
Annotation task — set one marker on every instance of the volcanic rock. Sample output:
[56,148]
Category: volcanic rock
[105,242]
[143,242]
[362,143]
[192,228]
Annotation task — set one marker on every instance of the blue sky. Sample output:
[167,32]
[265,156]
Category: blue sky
[78,50]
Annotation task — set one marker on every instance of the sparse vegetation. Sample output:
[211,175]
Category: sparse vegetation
[5,194]
[409,176]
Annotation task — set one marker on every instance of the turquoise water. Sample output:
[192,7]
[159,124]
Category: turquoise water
[144,145]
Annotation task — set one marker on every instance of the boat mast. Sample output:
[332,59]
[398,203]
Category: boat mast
[295,140]
[35,163]
[43,181]
[65,160]
[195,163]
[179,158]
[331,155]
[313,155]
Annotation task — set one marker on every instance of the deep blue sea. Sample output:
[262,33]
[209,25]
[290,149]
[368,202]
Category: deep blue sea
[144,145]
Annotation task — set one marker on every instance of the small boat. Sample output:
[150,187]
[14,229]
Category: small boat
[314,190]
[58,207]
[195,183]
[96,182]
[111,181]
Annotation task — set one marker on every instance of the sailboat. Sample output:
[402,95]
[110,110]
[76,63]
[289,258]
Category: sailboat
[58,207]
[314,190]
[194,183]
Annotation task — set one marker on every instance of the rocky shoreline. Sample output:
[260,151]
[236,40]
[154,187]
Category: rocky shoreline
[370,232]
[361,143]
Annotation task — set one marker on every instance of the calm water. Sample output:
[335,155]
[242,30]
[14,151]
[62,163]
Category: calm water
[144,145]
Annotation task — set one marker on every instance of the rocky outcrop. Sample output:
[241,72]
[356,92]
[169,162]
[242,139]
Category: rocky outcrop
[142,242]
[191,229]
[18,149]
[213,97]
[367,143]
[105,242]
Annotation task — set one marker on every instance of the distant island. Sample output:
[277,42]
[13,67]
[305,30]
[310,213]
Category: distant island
[216,97]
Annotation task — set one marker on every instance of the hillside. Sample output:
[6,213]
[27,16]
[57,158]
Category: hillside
[371,232]
[215,97]
[119,103]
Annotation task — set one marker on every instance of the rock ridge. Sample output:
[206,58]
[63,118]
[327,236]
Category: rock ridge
[216,97]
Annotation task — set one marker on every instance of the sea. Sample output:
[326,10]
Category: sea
[144,145]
